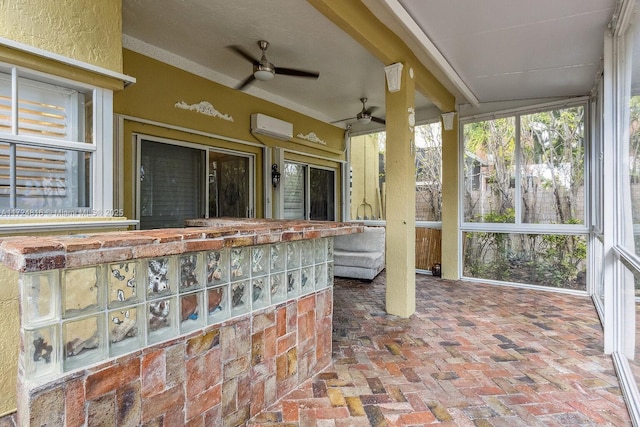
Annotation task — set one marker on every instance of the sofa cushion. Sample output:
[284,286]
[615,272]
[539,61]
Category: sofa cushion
[358,259]
[371,239]
[357,272]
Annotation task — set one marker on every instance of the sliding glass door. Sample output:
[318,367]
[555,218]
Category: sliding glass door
[173,184]
[309,192]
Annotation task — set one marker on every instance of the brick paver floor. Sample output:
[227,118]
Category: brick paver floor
[472,355]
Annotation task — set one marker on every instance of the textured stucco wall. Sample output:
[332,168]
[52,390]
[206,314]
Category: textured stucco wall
[9,338]
[86,30]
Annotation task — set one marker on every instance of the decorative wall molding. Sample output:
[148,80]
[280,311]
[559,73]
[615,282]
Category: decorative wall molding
[204,107]
[312,137]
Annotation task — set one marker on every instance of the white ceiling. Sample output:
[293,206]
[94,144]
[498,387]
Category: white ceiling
[487,51]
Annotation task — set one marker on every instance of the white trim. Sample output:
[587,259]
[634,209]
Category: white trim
[525,286]
[525,228]
[67,61]
[628,385]
[432,51]
[267,187]
[188,130]
[314,156]
[530,109]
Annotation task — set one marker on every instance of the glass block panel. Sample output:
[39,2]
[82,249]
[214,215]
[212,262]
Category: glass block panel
[158,277]
[329,274]
[161,319]
[277,257]
[125,280]
[40,297]
[217,267]
[293,255]
[83,342]
[41,352]
[321,276]
[259,292]
[126,330]
[82,291]
[259,260]
[239,264]
[293,283]
[320,250]
[240,299]
[191,311]
[330,249]
[307,253]
[191,271]
[218,304]
[278,288]
[307,281]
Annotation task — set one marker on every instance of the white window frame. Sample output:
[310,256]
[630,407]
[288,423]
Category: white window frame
[101,147]
[519,227]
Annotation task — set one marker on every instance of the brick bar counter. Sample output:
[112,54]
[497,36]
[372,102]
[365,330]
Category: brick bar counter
[204,325]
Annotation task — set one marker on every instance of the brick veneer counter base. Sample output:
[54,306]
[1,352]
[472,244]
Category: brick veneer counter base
[220,374]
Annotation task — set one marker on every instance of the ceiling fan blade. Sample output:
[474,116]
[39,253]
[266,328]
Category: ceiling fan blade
[378,120]
[344,120]
[246,82]
[240,51]
[297,73]
[370,110]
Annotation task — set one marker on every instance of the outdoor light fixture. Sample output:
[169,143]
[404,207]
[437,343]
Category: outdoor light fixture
[275,175]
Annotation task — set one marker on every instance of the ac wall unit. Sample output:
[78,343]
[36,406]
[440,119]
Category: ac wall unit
[272,127]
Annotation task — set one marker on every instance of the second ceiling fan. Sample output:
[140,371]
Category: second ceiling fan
[264,70]
[365,115]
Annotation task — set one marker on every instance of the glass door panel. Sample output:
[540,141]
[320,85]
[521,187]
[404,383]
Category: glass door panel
[294,191]
[322,189]
[170,184]
[229,185]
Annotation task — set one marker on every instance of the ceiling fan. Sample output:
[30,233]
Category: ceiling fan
[365,116]
[264,70]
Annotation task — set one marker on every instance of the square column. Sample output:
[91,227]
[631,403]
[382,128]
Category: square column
[400,194]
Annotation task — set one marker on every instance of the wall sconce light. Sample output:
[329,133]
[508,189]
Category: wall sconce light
[394,76]
[275,175]
[447,120]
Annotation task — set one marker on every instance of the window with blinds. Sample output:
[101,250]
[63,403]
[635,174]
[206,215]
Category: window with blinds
[171,184]
[294,191]
[37,171]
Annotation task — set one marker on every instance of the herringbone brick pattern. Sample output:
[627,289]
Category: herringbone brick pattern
[471,355]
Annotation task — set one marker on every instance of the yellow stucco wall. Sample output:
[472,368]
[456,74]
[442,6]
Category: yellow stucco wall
[160,86]
[86,30]
[366,196]
[9,338]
